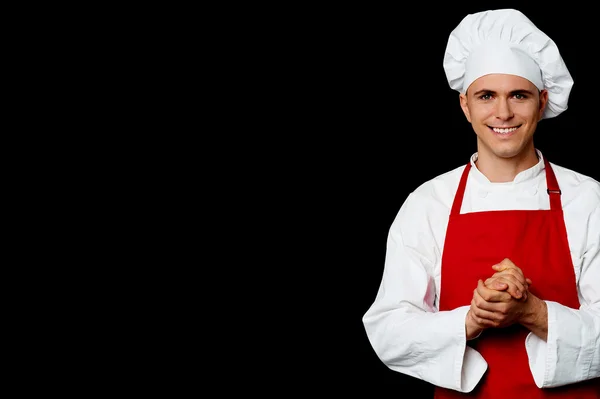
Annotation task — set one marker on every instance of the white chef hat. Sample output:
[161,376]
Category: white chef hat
[506,41]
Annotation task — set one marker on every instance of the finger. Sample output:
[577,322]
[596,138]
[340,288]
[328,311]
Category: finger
[509,287]
[512,272]
[495,284]
[518,274]
[491,295]
[509,263]
[501,284]
[501,278]
[490,306]
[505,265]
[498,268]
[484,317]
[515,288]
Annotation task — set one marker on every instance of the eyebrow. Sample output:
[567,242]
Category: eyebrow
[486,91]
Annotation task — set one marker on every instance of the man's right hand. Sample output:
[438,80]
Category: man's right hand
[472,327]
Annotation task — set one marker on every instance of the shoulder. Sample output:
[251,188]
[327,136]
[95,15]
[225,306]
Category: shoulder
[441,186]
[433,198]
[577,188]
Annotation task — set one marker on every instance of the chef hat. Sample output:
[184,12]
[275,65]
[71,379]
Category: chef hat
[506,41]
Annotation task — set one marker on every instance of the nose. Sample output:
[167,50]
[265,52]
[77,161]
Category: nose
[503,109]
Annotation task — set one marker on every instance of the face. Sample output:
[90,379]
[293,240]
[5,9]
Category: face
[504,111]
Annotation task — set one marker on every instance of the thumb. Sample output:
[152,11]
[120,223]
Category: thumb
[499,267]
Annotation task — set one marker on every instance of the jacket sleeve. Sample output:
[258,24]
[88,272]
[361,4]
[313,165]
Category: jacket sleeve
[403,324]
[571,352]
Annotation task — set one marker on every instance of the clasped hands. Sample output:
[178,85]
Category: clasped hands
[501,300]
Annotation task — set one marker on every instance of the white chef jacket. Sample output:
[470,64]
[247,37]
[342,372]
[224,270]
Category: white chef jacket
[409,333]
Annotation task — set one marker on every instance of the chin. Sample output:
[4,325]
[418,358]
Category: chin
[506,153]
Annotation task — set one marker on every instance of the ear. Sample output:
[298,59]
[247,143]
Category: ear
[543,102]
[465,106]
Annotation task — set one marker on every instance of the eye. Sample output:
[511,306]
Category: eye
[485,96]
[520,96]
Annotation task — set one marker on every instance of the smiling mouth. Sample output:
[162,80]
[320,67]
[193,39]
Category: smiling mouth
[504,130]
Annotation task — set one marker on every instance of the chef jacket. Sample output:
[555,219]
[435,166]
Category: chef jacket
[404,325]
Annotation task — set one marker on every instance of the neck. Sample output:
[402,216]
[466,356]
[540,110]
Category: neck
[502,170]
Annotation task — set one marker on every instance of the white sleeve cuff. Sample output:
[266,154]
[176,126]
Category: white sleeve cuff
[473,365]
[537,351]
[473,368]
[569,340]
[542,354]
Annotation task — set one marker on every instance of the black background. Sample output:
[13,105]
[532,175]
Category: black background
[367,117]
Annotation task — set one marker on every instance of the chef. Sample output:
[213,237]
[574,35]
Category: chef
[491,280]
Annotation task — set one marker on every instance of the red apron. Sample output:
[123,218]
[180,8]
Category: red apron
[535,241]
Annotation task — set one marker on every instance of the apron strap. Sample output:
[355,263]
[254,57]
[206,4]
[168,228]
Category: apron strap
[458,197]
[553,189]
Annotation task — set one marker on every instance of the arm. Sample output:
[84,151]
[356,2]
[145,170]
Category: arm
[571,352]
[403,325]
[557,332]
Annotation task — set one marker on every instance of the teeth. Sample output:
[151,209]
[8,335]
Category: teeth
[504,131]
